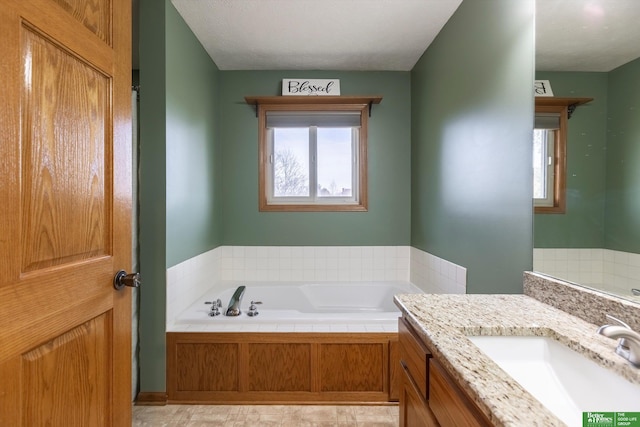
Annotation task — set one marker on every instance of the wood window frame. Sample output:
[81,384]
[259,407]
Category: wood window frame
[362,104]
[560,162]
[565,107]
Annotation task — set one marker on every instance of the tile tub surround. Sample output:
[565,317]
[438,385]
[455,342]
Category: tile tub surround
[444,321]
[436,275]
[315,263]
[587,304]
[606,269]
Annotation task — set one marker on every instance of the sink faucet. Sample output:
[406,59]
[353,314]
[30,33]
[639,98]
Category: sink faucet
[629,344]
[234,303]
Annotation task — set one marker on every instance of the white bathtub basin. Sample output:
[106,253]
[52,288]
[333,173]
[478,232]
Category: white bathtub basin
[299,307]
[563,380]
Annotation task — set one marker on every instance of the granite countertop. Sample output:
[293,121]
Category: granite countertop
[444,321]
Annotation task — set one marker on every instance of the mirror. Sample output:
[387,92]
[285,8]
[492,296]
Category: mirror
[596,241]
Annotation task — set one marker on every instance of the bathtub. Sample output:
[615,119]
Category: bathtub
[303,307]
[310,343]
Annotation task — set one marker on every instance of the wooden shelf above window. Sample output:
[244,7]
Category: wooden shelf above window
[555,101]
[314,100]
[258,100]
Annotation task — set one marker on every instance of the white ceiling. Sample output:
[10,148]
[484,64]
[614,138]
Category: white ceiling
[316,34]
[586,35]
[571,35]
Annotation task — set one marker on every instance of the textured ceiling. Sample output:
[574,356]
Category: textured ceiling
[571,35]
[586,35]
[316,34]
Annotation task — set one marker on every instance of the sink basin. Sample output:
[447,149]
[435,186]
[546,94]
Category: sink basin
[563,380]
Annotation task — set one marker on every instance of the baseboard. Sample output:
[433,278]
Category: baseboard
[151,398]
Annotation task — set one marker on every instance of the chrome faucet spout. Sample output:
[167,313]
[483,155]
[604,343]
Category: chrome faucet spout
[629,345]
[233,309]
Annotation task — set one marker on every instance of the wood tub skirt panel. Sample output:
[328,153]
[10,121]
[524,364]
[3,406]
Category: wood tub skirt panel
[240,368]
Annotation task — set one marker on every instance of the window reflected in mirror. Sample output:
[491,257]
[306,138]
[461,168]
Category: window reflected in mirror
[549,159]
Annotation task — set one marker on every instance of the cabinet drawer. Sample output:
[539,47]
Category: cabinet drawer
[448,402]
[414,357]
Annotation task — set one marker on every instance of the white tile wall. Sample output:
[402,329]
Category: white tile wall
[576,265]
[190,279]
[436,275]
[607,269]
[315,263]
[622,270]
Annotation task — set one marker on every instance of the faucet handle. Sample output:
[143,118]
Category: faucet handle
[214,307]
[253,310]
[618,321]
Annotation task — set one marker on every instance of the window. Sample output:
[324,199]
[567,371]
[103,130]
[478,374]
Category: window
[312,154]
[549,159]
[545,141]
[550,152]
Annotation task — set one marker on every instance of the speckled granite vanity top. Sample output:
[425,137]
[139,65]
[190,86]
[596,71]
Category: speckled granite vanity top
[444,322]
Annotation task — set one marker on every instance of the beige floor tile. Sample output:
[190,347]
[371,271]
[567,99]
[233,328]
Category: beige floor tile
[270,409]
[160,413]
[376,424]
[346,414]
[375,414]
[204,423]
[209,409]
[265,416]
[319,413]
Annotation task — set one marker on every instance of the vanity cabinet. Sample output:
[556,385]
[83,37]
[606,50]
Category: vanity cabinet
[414,392]
[429,396]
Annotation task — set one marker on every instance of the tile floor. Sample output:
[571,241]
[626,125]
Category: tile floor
[264,416]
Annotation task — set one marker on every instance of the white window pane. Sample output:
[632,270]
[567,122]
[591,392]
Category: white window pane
[335,162]
[291,162]
[543,167]
[539,164]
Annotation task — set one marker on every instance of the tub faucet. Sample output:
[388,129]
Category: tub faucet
[234,303]
[629,344]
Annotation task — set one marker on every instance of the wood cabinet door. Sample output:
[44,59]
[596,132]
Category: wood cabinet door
[65,212]
[449,403]
[414,410]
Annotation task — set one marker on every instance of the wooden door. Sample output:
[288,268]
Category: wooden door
[65,211]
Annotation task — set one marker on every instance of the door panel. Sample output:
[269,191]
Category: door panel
[65,212]
[65,215]
[93,14]
[81,354]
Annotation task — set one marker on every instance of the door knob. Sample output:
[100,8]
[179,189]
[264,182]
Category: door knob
[123,279]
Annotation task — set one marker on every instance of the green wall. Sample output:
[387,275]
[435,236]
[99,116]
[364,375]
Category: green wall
[177,149]
[194,162]
[603,172]
[387,221]
[623,159]
[472,120]
[152,195]
[582,225]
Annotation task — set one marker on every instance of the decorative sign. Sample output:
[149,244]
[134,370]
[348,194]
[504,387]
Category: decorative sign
[542,88]
[310,87]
